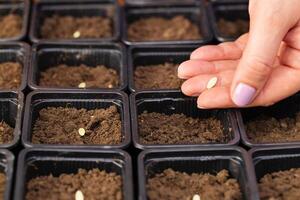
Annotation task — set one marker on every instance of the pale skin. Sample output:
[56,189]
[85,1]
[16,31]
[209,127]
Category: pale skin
[260,68]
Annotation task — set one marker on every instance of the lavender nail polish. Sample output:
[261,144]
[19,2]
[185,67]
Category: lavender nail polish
[243,94]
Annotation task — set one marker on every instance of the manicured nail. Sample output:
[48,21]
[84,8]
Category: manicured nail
[179,71]
[243,94]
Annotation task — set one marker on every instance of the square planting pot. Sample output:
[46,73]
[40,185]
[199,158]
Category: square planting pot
[42,162]
[144,56]
[38,100]
[90,8]
[7,167]
[47,55]
[11,112]
[196,14]
[19,7]
[199,160]
[228,10]
[171,103]
[16,52]
[285,108]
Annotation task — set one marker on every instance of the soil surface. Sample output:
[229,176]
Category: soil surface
[154,77]
[6,133]
[61,126]
[281,185]
[233,28]
[68,27]
[159,128]
[11,26]
[2,185]
[71,76]
[174,185]
[266,129]
[10,75]
[94,185]
[159,28]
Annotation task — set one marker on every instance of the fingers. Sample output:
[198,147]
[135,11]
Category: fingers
[290,57]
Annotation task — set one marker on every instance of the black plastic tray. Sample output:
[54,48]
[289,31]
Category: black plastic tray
[156,55]
[46,8]
[11,111]
[41,162]
[196,14]
[40,99]
[231,11]
[16,52]
[173,102]
[17,7]
[46,55]
[7,167]
[285,108]
[207,160]
[160,2]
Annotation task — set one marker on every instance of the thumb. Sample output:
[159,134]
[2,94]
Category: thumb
[256,64]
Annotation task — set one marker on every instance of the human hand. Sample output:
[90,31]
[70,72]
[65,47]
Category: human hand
[258,69]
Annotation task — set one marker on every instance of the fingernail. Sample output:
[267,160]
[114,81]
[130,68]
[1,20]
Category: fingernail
[243,94]
[179,71]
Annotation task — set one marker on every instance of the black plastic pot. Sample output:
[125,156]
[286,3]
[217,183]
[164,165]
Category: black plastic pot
[46,8]
[16,52]
[228,10]
[20,8]
[199,160]
[173,102]
[11,112]
[7,167]
[41,162]
[197,14]
[144,56]
[41,99]
[47,55]
[285,108]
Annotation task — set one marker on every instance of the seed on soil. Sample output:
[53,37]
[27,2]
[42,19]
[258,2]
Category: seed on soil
[79,195]
[212,82]
[76,34]
[81,132]
[82,85]
[196,197]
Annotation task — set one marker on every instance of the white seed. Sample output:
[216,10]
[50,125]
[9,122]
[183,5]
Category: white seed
[82,85]
[76,34]
[196,197]
[81,132]
[212,82]
[110,86]
[79,195]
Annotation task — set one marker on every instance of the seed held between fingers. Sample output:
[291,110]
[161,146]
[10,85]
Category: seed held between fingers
[212,82]
[81,132]
[196,197]
[79,195]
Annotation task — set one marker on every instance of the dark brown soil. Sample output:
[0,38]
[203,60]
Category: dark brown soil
[174,185]
[11,26]
[159,28]
[60,126]
[266,129]
[159,128]
[71,76]
[10,75]
[66,27]
[233,28]
[281,185]
[154,77]
[94,184]
[6,133]
[2,185]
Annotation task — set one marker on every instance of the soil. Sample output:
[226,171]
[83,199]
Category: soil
[94,77]
[11,26]
[159,128]
[281,185]
[94,184]
[154,77]
[266,129]
[233,28]
[2,185]
[66,27]
[60,126]
[6,133]
[159,28]
[174,185]
[10,75]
